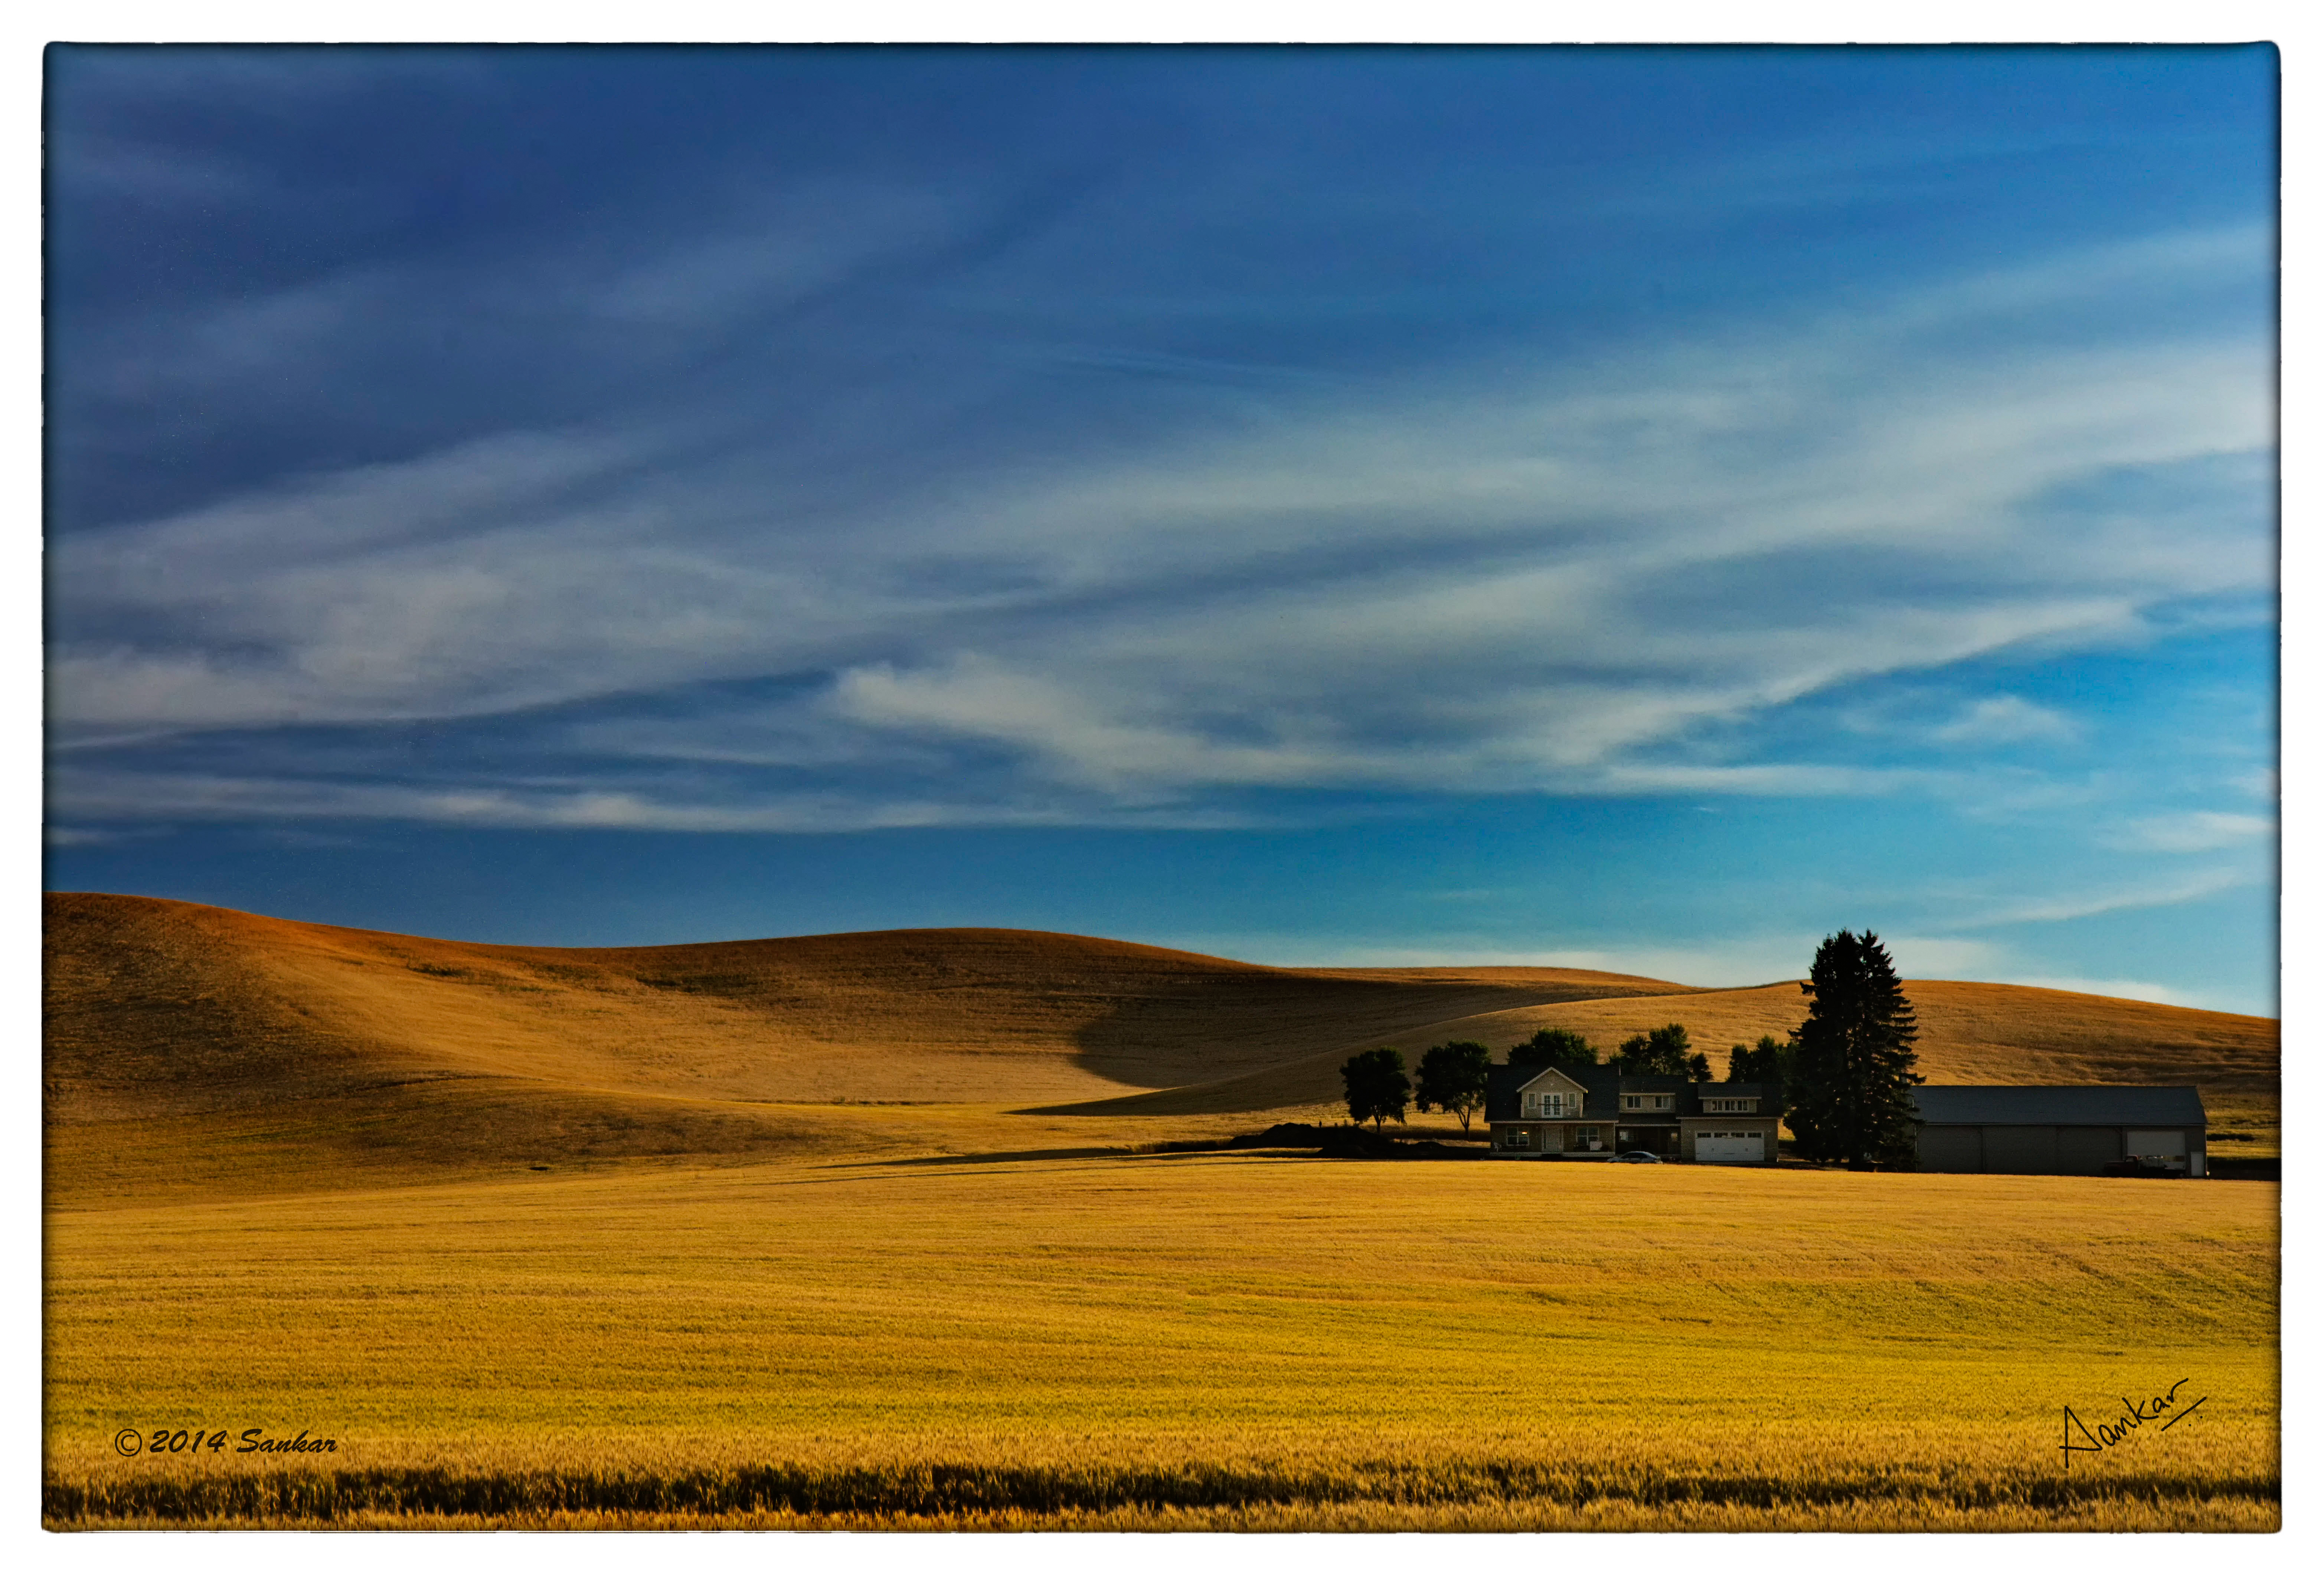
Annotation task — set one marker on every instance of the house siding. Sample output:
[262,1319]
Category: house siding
[1666,1132]
[1547,1137]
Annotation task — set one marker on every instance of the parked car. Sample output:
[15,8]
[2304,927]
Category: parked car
[1637,1158]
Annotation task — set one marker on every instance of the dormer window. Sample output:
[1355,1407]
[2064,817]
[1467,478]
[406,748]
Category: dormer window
[1647,1102]
[1554,1104]
[1731,1105]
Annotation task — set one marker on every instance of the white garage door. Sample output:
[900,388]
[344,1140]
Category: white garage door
[1731,1148]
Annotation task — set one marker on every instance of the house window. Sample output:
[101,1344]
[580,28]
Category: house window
[1661,1101]
[1731,1107]
[1517,1139]
[1586,1139]
[1631,1102]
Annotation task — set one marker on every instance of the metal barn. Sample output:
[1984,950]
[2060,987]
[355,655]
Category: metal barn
[2058,1129]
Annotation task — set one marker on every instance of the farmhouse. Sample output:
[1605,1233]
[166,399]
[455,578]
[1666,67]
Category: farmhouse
[1537,1112]
[2058,1130]
[2034,1130]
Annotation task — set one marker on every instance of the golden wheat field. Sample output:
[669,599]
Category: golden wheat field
[1247,1339]
[582,1266]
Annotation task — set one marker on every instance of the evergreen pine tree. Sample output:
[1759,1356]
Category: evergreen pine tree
[1852,1073]
[1767,1064]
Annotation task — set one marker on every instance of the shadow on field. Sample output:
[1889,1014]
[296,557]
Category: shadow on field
[1283,1141]
[1238,1037]
[1087,1152]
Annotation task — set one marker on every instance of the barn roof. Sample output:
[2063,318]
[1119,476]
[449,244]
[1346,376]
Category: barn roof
[2060,1104]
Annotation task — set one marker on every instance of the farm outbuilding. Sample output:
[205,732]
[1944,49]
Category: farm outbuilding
[2058,1129]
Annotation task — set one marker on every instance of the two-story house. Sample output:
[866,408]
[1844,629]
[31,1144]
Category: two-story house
[1557,1112]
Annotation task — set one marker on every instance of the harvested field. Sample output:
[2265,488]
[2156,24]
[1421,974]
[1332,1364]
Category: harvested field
[1184,1341]
[713,1237]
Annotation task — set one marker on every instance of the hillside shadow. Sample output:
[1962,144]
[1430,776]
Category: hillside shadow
[1206,1032]
[1083,1152]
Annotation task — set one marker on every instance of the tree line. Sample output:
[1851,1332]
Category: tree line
[1843,1077]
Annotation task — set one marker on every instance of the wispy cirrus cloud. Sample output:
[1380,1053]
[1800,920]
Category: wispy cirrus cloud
[1849,500]
[2167,892]
[590,804]
[2195,832]
[1521,581]
[2007,719]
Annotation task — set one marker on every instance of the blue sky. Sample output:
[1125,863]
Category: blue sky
[1646,509]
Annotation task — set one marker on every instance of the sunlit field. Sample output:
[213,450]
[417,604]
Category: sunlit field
[1248,1341]
[857,1231]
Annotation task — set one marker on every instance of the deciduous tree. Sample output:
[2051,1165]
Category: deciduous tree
[1661,1052]
[1852,1077]
[1377,1086]
[1758,1064]
[1453,1078]
[1553,1047]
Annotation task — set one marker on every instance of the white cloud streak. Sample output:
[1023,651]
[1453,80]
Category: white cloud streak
[2083,905]
[2007,719]
[1547,580]
[2195,832]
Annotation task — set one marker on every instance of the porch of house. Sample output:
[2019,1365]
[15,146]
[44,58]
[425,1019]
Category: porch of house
[1598,1140]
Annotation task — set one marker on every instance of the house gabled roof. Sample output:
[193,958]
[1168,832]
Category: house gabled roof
[1504,1084]
[1579,1076]
[1602,1089]
[1501,1086]
[2060,1104]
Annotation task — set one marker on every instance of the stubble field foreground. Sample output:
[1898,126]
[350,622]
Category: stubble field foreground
[1248,1340]
[856,1230]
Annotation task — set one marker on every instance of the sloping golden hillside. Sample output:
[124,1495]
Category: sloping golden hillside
[1970,1033]
[362,1045]
[287,1054]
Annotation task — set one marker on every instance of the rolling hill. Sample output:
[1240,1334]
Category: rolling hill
[272,1055]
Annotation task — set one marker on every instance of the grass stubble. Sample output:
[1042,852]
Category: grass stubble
[1246,1342]
[851,1232]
